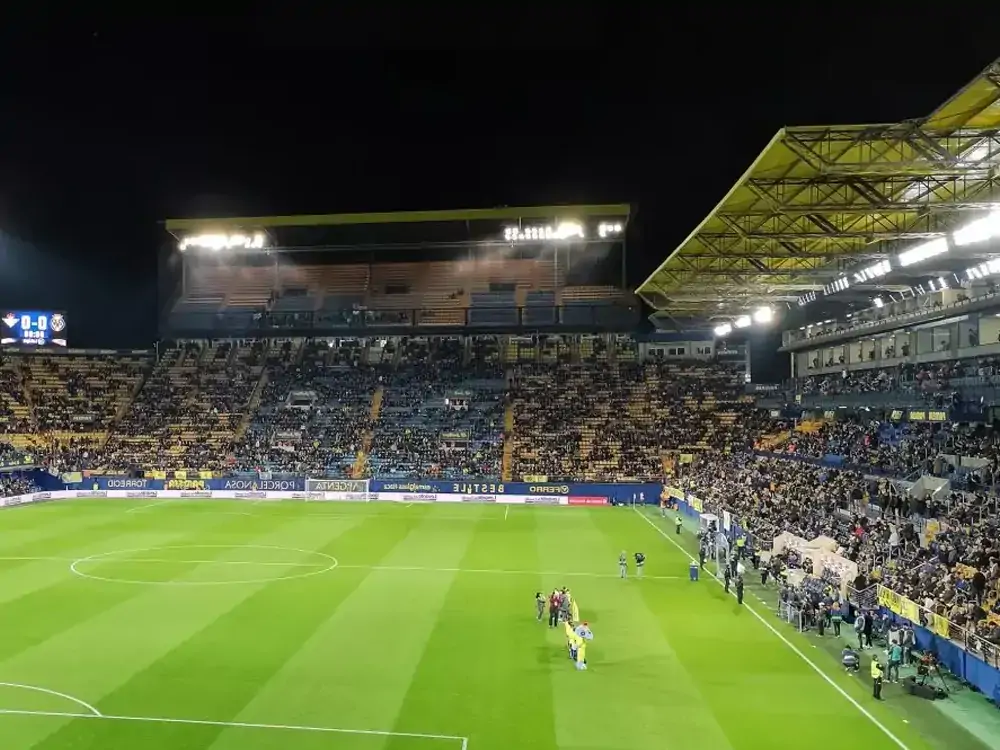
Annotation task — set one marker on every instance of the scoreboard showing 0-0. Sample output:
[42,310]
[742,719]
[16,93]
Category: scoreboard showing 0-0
[33,328]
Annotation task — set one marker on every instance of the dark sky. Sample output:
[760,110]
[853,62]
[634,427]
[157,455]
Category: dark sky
[108,127]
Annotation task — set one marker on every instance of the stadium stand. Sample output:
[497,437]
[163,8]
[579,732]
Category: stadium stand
[79,394]
[442,412]
[565,431]
[187,414]
[15,412]
[490,293]
[315,411]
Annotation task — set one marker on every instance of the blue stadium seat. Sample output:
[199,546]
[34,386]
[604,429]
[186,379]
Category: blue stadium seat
[493,308]
[540,308]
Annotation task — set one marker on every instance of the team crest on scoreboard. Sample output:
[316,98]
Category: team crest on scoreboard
[57,323]
[10,320]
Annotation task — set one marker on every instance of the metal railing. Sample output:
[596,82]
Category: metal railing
[908,609]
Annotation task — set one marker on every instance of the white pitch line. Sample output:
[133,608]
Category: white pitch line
[167,560]
[148,505]
[56,693]
[164,560]
[238,725]
[865,712]
[499,571]
[386,568]
[506,510]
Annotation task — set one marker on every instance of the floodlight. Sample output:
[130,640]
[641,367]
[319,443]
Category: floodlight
[742,322]
[873,272]
[563,231]
[223,241]
[923,251]
[763,315]
[723,330]
[978,231]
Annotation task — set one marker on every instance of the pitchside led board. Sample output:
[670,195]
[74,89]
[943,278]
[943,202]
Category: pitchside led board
[41,328]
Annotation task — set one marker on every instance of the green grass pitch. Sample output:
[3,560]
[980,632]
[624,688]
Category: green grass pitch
[239,626]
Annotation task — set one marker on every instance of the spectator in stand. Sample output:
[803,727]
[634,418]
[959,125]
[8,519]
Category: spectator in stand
[15,484]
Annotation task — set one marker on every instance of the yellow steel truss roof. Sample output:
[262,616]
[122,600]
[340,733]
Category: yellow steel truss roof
[818,199]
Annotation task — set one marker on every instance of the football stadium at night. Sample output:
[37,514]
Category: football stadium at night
[446,480]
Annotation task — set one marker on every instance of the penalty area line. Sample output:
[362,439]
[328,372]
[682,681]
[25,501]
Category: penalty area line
[237,725]
[864,711]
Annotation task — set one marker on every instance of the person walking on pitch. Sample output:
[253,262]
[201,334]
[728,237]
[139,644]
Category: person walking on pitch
[553,608]
[623,565]
[739,590]
[539,606]
[678,522]
[640,561]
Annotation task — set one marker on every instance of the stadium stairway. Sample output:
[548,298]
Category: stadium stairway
[252,405]
[366,441]
[507,467]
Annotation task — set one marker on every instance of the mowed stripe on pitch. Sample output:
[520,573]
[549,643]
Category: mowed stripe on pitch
[483,672]
[96,658]
[218,671]
[654,700]
[358,665]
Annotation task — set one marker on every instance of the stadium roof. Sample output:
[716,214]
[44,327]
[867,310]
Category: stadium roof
[401,230]
[820,199]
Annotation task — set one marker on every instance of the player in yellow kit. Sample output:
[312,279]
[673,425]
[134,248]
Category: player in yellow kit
[573,640]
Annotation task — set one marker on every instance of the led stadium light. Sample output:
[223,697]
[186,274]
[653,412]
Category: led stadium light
[984,269]
[873,272]
[806,298]
[978,231]
[878,302]
[723,330]
[224,241]
[763,315]
[837,286]
[609,229]
[923,251]
[742,322]
[564,231]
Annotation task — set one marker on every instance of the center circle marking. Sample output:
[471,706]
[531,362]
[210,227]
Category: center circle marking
[74,567]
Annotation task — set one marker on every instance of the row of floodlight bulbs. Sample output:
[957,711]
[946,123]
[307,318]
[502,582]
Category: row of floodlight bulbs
[224,241]
[928,287]
[980,230]
[762,315]
[566,230]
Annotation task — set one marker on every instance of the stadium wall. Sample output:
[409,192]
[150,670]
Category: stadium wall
[483,491]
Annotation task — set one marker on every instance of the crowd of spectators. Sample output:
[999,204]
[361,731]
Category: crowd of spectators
[442,412]
[314,412]
[80,394]
[905,449]
[14,412]
[605,421]
[941,552]
[934,382]
[187,413]
[16,484]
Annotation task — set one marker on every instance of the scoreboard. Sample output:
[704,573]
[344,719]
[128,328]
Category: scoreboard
[33,328]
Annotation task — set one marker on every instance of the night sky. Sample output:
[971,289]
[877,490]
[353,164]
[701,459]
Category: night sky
[109,129]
